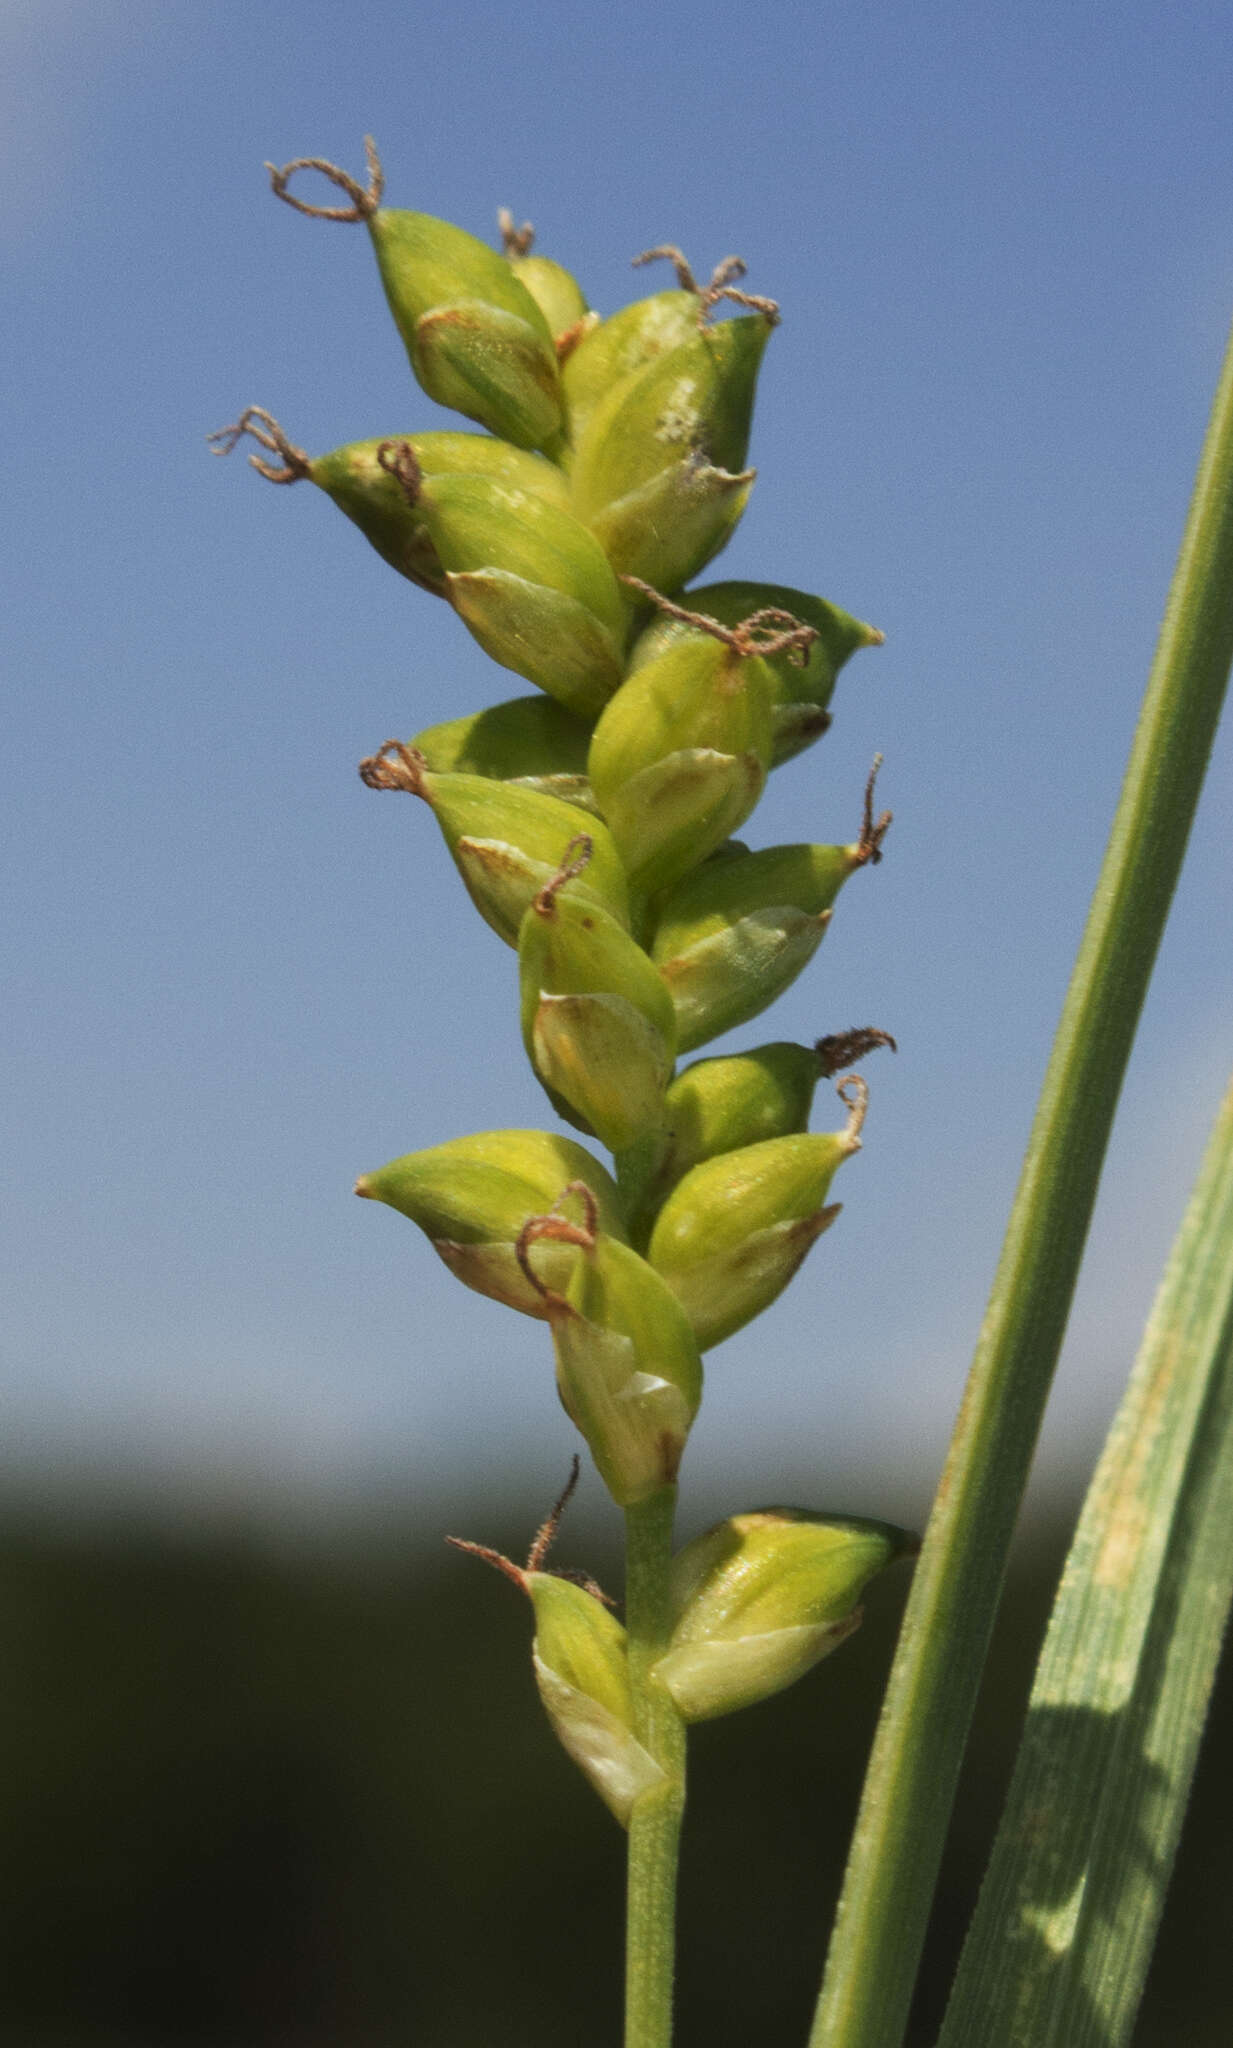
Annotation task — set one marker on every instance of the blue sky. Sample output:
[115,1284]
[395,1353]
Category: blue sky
[1003,242]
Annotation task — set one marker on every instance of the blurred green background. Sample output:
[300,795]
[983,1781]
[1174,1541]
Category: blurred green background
[270,1794]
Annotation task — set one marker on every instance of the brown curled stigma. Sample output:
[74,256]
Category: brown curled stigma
[364,199]
[557,1229]
[395,765]
[515,241]
[567,340]
[542,1542]
[853,1092]
[547,1533]
[840,1048]
[869,845]
[574,860]
[766,632]
[720,285]
[495,1558]
[264,429]
[399,460]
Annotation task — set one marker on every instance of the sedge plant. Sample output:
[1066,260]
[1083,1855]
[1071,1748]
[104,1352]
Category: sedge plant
[592,825]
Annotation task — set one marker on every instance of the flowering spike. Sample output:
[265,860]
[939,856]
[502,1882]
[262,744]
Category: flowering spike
[593,828]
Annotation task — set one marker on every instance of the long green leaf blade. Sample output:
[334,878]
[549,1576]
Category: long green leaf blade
[1060,1942]
[910,1784]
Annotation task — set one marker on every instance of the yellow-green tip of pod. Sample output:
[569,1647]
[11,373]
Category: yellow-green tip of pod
[507,839]
[471,1197]
[555,290]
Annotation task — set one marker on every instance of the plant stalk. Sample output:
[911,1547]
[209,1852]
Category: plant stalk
[909,1789]
[655,1824]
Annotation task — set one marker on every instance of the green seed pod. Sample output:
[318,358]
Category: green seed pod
[506,841]
[735,1229]
[628,1370]
[668,816]
[623,343]
[597,1021]
[363,488]
[675,523]
[582,1672]
[658,474]
[642,333]
[555,291]
[763,1597]
[695,400]
[581,1662]
[720,1105]
[679,757]
[734,934]
[729,949]
[529,581]
[804,688]
[492,366]
[476,338]
[533,741]
[471,1197]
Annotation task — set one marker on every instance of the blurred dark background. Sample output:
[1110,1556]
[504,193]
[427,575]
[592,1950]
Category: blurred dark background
[274,1793]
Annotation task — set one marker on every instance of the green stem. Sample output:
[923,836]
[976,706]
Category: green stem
[1059,1946]
[910,1786]
[655,1825]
